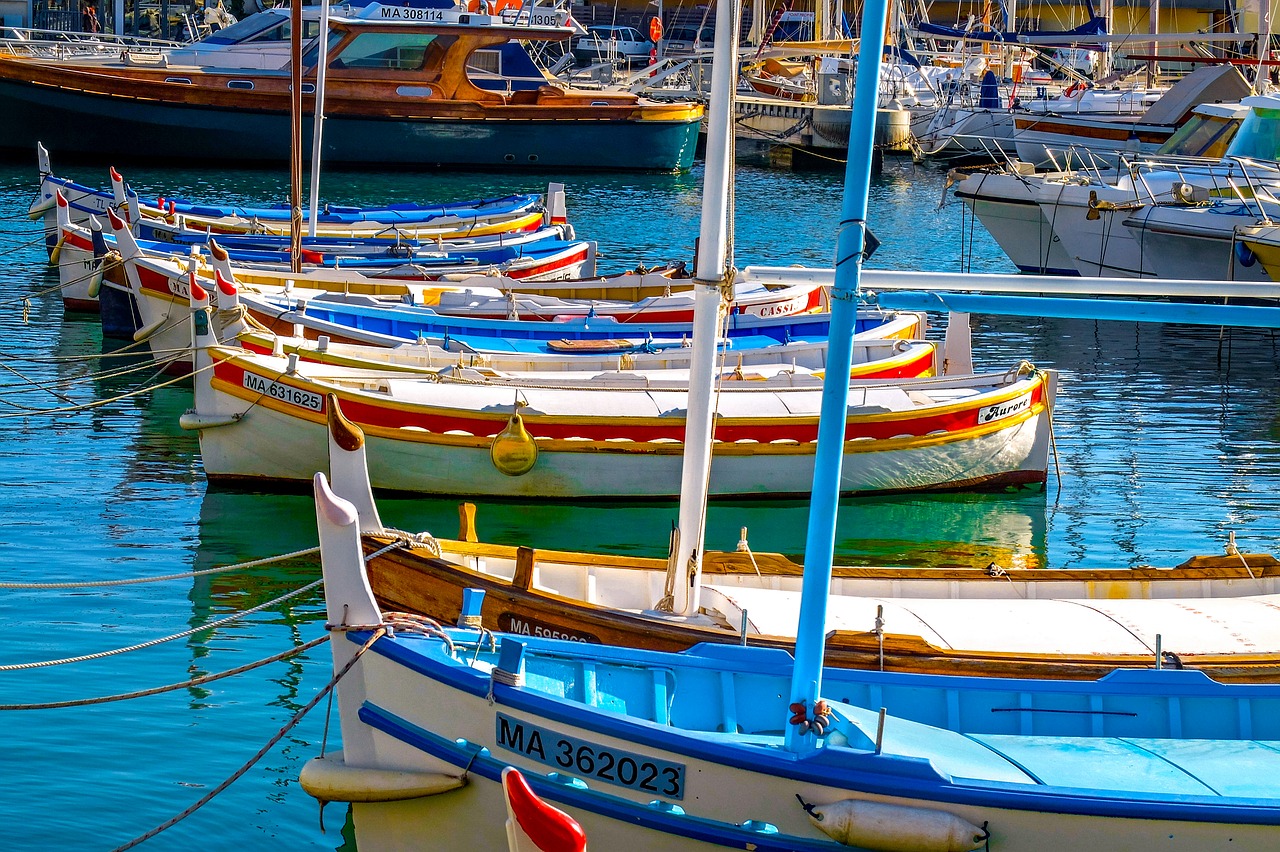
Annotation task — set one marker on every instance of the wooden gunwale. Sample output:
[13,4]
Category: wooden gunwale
[415,581]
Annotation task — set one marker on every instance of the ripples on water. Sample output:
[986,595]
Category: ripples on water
[1167,440]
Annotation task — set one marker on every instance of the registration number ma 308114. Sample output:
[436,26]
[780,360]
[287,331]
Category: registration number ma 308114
[589,760]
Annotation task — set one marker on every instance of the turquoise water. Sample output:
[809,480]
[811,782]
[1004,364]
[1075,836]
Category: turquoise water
[1168,438]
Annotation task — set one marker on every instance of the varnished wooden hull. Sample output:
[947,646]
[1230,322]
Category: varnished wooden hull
[86,124]
[412,580]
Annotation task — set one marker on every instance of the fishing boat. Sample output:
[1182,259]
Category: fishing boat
[397,92]
[343,302]
[610,437]
[177,220]
[751,747]
[978,621]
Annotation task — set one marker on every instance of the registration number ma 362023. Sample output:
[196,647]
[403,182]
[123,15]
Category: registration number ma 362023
[590,760]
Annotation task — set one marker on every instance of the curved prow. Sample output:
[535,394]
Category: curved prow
[125,242]
[117,190]
[42,159]
[348,465]
[221,259]
[348,598]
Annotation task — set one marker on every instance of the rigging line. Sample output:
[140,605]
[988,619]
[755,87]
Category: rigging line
[101,402]
[93,375]
[297,717]
[157,690]
[36,384]
[239,566]
[153,642]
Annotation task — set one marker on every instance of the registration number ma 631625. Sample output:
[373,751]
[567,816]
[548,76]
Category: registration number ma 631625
[591,760]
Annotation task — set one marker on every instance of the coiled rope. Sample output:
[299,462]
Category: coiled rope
[153,642]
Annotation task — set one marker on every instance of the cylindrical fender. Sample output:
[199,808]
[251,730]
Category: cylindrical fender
[895,828]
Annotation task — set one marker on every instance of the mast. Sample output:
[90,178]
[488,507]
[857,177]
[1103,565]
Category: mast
[1153,21]
[322,61]
[295,138]
[819,550]
[684,573]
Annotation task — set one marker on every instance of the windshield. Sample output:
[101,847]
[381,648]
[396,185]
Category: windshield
[385,51]
[1202,136]
[1259,135]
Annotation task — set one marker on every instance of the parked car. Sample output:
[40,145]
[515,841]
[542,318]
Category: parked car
[605,43]
[688,41]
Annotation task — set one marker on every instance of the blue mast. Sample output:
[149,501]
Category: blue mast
[819,550]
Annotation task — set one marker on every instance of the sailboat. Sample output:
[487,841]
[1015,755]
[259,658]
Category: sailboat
[737,747]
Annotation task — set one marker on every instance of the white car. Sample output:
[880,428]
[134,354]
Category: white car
[608,43]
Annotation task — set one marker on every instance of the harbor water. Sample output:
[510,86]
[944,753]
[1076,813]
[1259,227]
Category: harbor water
[1167,441]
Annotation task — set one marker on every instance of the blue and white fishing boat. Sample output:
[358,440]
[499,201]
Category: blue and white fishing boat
[726,747]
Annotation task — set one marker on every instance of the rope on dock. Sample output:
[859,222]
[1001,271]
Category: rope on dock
[239,566]
[152,642]
[157,690]
[297,717]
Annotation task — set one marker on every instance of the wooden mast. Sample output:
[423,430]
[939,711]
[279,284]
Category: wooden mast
[295,137]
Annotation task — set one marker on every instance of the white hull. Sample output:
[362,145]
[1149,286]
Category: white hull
[1006,206]
[1101,247]
[272,445]
[1186,242]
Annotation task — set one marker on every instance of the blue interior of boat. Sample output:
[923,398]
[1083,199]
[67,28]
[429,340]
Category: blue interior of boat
[1144,731]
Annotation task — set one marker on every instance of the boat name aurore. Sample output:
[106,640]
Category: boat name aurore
[284,393]
[999,411]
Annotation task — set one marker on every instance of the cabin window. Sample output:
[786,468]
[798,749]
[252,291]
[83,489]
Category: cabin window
[239,84]
[309,57]
[385,51]
[186,80]
[485,62]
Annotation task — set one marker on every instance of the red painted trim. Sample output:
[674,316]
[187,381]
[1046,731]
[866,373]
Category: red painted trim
[549,828]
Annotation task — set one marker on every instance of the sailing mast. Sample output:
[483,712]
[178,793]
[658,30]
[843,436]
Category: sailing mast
[317,127]
[819,549]
[295,138]
[684,572]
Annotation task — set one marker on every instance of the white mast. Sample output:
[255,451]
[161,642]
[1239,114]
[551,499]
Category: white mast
[322,60]
[684,574]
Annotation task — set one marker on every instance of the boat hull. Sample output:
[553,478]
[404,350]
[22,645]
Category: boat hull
[57,118]
[409,712]
[622,459]
[1007,207]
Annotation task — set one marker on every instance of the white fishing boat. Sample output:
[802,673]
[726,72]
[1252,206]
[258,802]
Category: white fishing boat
[747,747]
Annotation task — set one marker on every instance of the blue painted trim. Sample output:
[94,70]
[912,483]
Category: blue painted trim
[1120,310]
[1042,270]
[837,767]
[481,762]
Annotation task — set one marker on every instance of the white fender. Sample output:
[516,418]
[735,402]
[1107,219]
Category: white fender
[896,828]
[330,779]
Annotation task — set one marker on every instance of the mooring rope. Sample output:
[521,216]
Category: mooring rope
[378,633]
[153,642]
[29,412]
[239,566]
[157,690]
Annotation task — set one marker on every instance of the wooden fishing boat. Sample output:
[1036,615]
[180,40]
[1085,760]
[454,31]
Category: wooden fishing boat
[412,103]
[614,440]
[157,288]
[687,751]
[724,746]
[1004,622]
[396,227]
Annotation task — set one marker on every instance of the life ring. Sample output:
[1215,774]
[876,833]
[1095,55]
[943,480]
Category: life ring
[655,30]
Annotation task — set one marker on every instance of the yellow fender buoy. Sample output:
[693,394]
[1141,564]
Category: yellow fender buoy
[895,828]
[513,451]
[57,250]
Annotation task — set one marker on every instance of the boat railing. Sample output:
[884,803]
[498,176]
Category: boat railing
[61,44]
